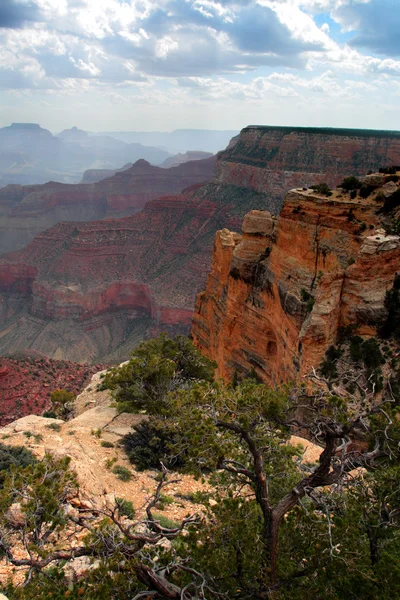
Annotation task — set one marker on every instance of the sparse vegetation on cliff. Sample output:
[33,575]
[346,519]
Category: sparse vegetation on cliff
[157,367]
[275,525]
[322,188]
[350,183]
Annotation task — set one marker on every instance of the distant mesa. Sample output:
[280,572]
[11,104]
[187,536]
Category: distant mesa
[26,211]
[30,154]
[179,159]
[31,126]
[95,175]
[73,134]
[101,286]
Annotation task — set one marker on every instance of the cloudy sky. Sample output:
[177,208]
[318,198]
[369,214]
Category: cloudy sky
[166,64]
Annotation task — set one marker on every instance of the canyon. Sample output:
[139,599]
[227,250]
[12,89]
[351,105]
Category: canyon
[279,294]
[26,384]
[26,211]
[89,291]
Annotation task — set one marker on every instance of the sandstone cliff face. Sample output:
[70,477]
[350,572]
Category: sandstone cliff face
[278,294]
[26,211]
[272,160]
[89,291]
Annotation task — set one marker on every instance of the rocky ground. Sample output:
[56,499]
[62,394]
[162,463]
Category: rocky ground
[26,384]
[83,438]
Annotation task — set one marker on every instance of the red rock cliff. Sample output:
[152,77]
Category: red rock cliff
[28,210]
[277,294]
[90,291]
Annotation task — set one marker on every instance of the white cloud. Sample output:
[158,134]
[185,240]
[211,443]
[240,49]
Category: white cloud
[182,53]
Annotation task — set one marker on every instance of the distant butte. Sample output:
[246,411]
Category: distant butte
[89,291]
[26,211]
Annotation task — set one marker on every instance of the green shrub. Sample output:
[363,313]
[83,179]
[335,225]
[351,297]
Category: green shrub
[62,403]
[366,190]
[125,508]
[17,456]
[157,367]
[351,184]
[151,443]
[392,170]
[371,354]
[165,521]
[106,444]
[164,501]
[49,414]
[54,426]
[329,368]
[122,473]
[394,178]
[308,299]
[355,348]
[322,188]
[391,326]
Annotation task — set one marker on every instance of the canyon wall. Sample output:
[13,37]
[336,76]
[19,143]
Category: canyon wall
[278,294]
[89,291]
[26,211]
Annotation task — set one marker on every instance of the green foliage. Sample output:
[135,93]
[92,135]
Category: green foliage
[394,228]
[157,367]
[41,491]
[371,354]
[49,414]
[308,299]
[392,170]
[350,183]
[14,456]
[153,441]
[207,446]
[125,508]
[164,501]
[366,190]
[122,473]
[336,543]
[329,366]
[62,401]
[54,426]
[322,188]
[166,521]
[355,348]
[106,444]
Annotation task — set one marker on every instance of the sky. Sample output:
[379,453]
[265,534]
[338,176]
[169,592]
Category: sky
[148,65]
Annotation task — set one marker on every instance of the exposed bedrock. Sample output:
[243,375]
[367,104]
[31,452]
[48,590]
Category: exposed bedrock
[90,290]
[278,294]
[26,211]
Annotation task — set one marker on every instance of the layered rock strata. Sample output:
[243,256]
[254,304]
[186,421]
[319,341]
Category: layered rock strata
[26,211]
[278,294]
[89,291]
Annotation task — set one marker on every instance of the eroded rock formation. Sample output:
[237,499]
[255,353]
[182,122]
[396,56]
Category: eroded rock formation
[26,211]
[89,291]
[26,384]
[278,294]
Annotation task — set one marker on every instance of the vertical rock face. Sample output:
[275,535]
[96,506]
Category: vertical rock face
[271,160]
[278,294]
[90,291]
